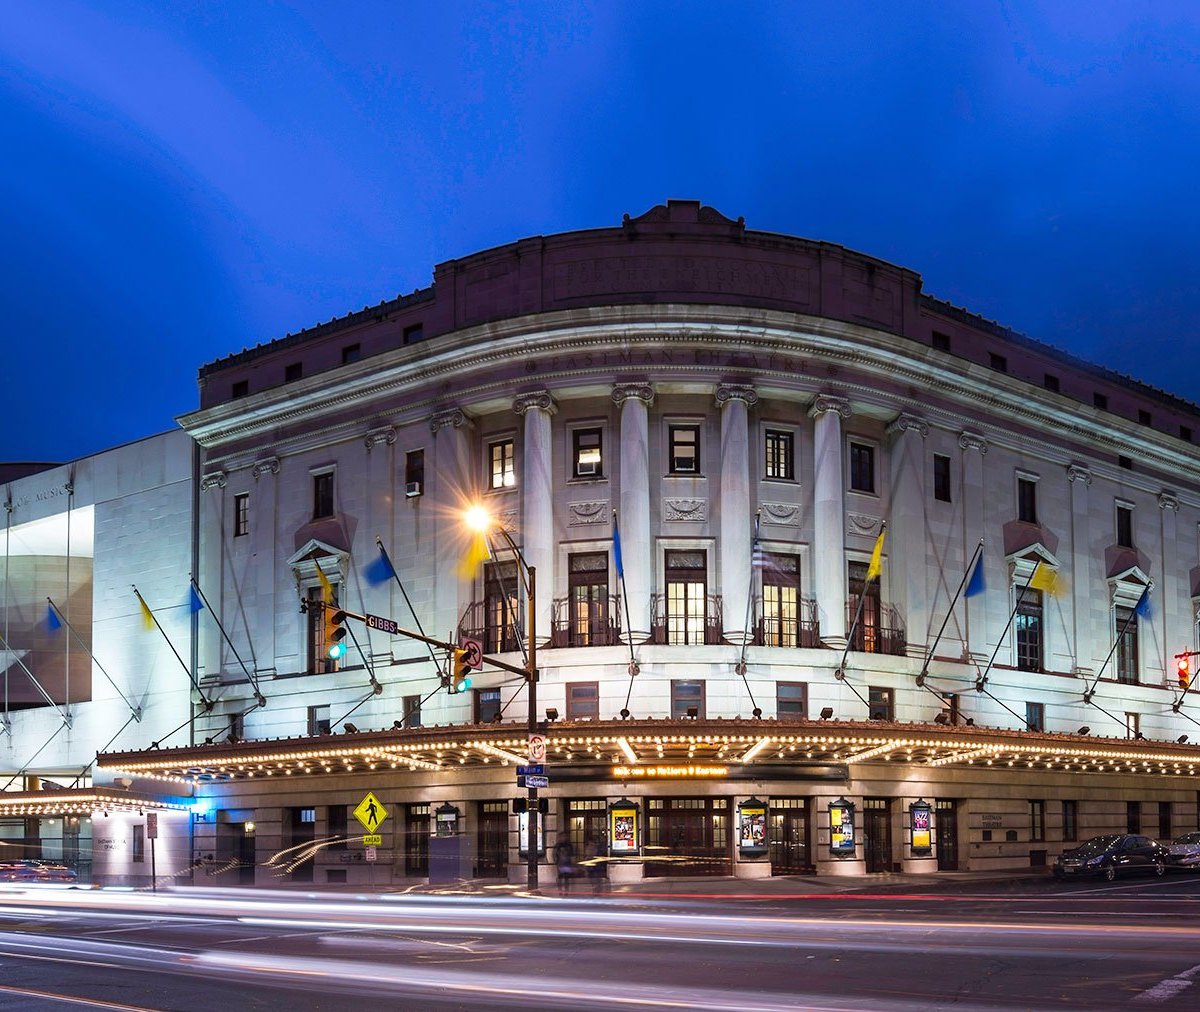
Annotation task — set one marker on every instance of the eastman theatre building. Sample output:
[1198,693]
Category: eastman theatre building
[894,586]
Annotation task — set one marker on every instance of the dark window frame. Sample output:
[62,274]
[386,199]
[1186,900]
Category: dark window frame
[781,600]
[680,703]
[1035,716]
[588,598]
[1127,659]
[414,467]
[485,705]
[881,703]
[862,467]
[1029,631]
[779,454]
[1124,525]
[138,844]
[322,495]
[239,389]
[293,371]
[501,464]
[351,353]
[578,447]
[800,712]
[241,514]
[997,361]
[942,488]
[582,709]
[410,710]
[1027,499]
[680,437]
[680,584]
[1037,821]
[1051,383]
[1070,820]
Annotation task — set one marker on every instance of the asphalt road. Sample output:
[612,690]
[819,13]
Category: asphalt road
[1032,944]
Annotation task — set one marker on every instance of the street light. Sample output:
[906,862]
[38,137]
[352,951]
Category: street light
[478,519]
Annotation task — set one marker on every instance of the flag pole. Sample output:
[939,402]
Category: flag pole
[620,564]
[258,696]
[981,681]
[404,593]
[1088,693]
[208,703]
[949,611]
[67,622]
[840,673]
[740,667]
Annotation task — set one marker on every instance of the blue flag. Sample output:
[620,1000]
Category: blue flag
[379,571]
[617,549]
[1143,605]
[194,602]
[53,622]
[975,584]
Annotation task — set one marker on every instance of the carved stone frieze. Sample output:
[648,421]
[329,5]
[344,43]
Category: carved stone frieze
[695,510]
[637,391]
[584,513]
[785,514]
[268,465]
[862,523]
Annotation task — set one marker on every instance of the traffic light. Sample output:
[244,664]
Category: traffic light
[335,633]
[1185,671]
[460,671]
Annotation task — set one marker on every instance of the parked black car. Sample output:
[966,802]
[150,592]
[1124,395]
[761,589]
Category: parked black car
[1110,856]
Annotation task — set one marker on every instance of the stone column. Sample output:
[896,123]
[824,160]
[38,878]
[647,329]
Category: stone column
[211,575]
[1176,630]
[907,535]
[277,606]
[734,403]
[829,517]
[537,527]
[1079,478]
[450,481]
[974,447]
[636,553]
[380,505]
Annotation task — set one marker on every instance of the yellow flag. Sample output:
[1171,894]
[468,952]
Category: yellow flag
[477,553]
[147,618]
[1047,581]
[876,565]
[326,586]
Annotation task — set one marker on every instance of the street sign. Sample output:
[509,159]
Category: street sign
[372,840]
[370,853]
[537,781]
[537,770]
[537,748]
[152,825]
[387,625]
[474,653]
[371,813]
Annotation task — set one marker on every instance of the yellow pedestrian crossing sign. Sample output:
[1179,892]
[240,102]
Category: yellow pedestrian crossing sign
[371,813]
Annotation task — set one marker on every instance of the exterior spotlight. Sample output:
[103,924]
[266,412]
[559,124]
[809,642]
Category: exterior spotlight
[1085,730]
[624,714]
[1182,739]
[551,713]
[349,728]
[941,718]
[827,713]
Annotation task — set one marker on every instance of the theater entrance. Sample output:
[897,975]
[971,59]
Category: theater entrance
[787,833]
[688,836]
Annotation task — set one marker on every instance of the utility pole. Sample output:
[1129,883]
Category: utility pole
[532,812]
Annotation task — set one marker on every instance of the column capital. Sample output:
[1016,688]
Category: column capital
[972,441]
[214,479]
[384,436]
[827,402]
[1079,472]
[1168,501]
[448,418]
[905,422]
[727,392]
[268,465]
[622,392]
[539,400]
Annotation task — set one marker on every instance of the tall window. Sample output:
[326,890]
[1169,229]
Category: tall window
[685,696]
[1028,626]
[322,495]
[1037,821]
[1164,820]
[241,514]
[941,477]
[414,472]
[1126,632]
[1027,500]
[880,704]
[867,633]
[781,601]
[781,458]
[791,700]
[411,710]
[862,467]
[1035,716]
[687,590]
[684,449]
[1133,725]
[1124,526]
[502,471]
[587,447]
[587,582]
[583,700]
[487,705]
[500,606]
[1070,820]
[1133,816]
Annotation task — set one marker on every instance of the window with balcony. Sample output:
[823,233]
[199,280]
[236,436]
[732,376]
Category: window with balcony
[687,592]
[241,514]
[587,585]
[862,468]
[687,696]
[502,464]
[322,495]
[684,441]
[791,700]
[1126,622]
[1028,630]
[780,601]
[500,607]
[587,453]
[583,700]
[780,461]
[1027,500]
[866,635]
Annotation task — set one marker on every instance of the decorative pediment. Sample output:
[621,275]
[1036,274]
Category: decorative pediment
[1022,563]
[304,562]
[1126,587]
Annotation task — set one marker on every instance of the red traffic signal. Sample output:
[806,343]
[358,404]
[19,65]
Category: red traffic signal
[1184,668]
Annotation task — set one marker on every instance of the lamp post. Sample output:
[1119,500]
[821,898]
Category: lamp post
[478,519]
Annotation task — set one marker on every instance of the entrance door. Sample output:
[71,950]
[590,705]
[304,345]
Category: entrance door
[877,834]
[946,826]
[491,860]
[688,836]
[587,824]
[788,836]
[416,839]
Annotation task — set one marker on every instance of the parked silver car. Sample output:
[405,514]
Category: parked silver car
[1184,852]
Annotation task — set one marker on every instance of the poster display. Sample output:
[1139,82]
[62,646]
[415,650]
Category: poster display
[841,827]
[752,828]
[919,822]
[523,835]
[623,835]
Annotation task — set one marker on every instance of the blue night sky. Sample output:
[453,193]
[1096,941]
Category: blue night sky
[181,180]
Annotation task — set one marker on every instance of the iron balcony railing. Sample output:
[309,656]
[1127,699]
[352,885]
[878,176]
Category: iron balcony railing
[590,624]
[681,629]
[879,629]
[799,630]
[496,637]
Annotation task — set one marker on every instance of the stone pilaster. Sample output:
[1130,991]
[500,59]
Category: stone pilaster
[272,622]
[974,448]
[1079,478]
[451,484]
[734,403]
[908,535]
[634,400]
[537,528]
[829,520]
[1174,624]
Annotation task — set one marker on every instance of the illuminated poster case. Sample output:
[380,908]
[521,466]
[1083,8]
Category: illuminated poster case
[752,828]
[920,821]
[842,841]
[624,833]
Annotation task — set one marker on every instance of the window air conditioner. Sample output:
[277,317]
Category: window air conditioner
[412,489]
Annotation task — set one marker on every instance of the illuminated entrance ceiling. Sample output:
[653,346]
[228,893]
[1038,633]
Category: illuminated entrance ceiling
[769,747]
[84,801]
